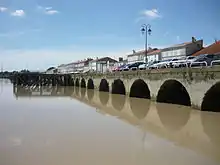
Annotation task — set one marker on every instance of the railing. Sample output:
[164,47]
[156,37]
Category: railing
[203,62]
[215,61]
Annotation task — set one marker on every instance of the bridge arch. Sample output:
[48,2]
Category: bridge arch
[211,100]
[83,83]
[118,87]
[77,82]
[104,86]
[140,89]
[90,84]
[172,91]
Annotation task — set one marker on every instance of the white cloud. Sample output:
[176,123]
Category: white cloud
[178,38]
[3,9]
[166,34]
[47,10]
[18,13]
[41,59]
[51,12]
[152,14]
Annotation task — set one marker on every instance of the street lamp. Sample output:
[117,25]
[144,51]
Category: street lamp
[146,29]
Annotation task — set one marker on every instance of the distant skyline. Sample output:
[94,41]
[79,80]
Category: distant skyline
[38,34]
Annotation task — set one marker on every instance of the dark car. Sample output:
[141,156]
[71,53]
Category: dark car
[206,59]
[135,65]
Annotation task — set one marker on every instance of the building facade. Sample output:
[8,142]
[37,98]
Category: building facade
[182,50]
[152,55]
[102,65]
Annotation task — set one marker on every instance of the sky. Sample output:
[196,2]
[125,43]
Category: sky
[38,34]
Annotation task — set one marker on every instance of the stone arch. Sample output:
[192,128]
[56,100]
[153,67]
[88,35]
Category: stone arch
[118,87]
[104,86]
[211,100]
[118,101]
[172,91]
[83,83]
[139,107]
[77,82]
[90,84]
[140,89]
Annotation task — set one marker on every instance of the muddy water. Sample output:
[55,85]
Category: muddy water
[54,126]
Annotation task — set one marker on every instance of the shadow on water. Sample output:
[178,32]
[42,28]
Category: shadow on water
[139,107]
[104,97]
[118,101]
[90,94]
[211,126]
[172,116]
[83,92]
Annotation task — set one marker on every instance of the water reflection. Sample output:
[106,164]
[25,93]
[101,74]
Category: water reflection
[173,117]
[211,126]
[90,94]
[83,92]
[63,131]
[37,91]
[103,97]
[118,101]
[77,91]
[139,107]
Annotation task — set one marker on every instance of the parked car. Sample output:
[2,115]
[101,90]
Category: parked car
[205,59]
[144,66]
[133,66]
[183,62]
[162,64]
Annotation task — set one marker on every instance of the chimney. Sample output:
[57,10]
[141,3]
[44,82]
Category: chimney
[193,39]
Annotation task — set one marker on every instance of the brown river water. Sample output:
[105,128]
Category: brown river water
[66,126]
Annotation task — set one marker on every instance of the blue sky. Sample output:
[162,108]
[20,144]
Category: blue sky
[38,34]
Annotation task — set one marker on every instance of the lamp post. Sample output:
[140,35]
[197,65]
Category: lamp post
[146,29]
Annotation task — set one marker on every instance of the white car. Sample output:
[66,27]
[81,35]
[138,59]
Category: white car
[163,64]
[183,62]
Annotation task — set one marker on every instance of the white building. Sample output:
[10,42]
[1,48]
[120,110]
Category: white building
[152,55]
[102,64]
[182,50]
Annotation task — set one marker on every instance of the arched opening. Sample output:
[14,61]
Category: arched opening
[90,94]
[90,84]
[118,101]
[211,100]
[83,92]
[83,83]
[77,82]
[140,89]
[104,86]
[139,107]
[173,92]
[103,97]
[118,87]
[173,117]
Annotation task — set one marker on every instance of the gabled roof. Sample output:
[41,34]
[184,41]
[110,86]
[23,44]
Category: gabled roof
[149,52]
[211,49]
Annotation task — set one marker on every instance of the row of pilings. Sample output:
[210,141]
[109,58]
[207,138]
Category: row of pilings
[40,79]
